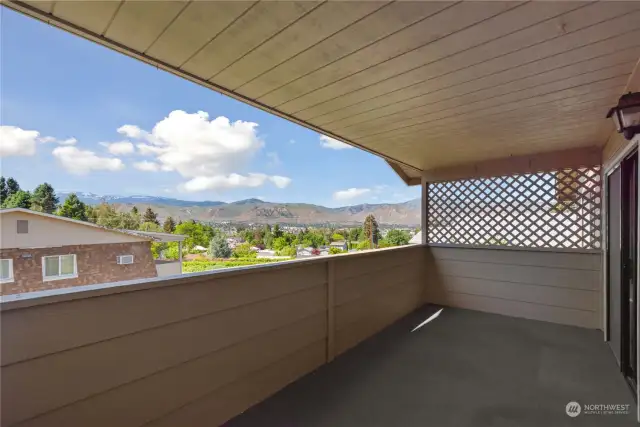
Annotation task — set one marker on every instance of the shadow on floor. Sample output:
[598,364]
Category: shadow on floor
[464,368]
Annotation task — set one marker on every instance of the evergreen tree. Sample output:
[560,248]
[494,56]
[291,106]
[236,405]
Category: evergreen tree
[4,191]
[90,212]
[73,208]
[134,211]
[149,226]
[12,187]
[370,229]
[277,232]
[219,248]
[150,216]
[169,225]
[44,199]
[19,199]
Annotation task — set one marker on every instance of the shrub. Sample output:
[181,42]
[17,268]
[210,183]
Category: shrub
[334,251]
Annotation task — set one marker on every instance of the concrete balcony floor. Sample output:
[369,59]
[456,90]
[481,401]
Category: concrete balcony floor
[464,368]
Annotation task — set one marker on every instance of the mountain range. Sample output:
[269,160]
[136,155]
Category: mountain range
[259,211]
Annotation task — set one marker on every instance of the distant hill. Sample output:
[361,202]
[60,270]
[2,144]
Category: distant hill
[258,211]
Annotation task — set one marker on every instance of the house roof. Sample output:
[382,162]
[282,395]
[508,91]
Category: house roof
[141,234]
[425,85]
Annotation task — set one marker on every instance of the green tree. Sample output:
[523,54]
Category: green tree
[150,226]
[219,248]
[355,234]
[243,250]
[4,190]
[277,232]
[267,237]
[12,187]
[91,213]
[197,233]
[134,211]
[280,243]
[370,229]
[365,244]
[20,199]
[337,237]
[334,251]
[287,251]
[397,238]
[169,225]
[44,199]
[73,208]
[150,216]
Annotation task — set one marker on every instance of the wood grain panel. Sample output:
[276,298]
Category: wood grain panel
[138,24]
[136,311]
[312,28]
[363,318]
[545,313]
[385,22]
[543,276]
[145,353]
[376,281]
[576,261]
[494,86]
[94,15]
[530,44]
[189,384]
[377,261]
[435,27]
[196,26]
[220,406]
[464,37]
[551,286]
[546,295]
[260,23]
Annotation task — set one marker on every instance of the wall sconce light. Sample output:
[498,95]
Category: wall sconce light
[626,114]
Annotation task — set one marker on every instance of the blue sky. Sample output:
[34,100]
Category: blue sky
[65,101]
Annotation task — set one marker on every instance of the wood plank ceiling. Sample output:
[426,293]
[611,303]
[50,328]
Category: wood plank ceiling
[423,84]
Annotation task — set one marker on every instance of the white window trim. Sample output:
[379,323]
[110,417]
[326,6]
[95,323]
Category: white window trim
[119,257]
[10,279]
[60,277]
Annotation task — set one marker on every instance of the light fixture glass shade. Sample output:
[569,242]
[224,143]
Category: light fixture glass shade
[626,114]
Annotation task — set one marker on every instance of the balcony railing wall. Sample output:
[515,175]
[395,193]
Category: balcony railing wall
[196,350]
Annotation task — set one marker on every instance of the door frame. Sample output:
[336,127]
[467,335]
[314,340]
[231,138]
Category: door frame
[608,168]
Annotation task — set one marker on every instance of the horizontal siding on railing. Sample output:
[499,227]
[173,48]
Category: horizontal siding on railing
[196,350]
[375,291]
[560,287]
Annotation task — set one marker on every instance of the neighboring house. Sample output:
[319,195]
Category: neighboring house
[40,251]
[342,245]
[234,241]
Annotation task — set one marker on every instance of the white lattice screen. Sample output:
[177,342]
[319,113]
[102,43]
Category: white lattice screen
[558,209]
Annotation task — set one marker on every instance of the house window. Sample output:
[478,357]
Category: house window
[6,270]
[59,267]
[23,226]
[125,259]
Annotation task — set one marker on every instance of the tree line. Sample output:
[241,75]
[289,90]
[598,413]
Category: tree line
[44,199]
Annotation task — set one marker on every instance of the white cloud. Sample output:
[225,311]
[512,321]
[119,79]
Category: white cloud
[147,166]
[334,144]
[292,141]
[17,142]
[119,148]
[207,152]
[81,162]
[280,181]
[350,193]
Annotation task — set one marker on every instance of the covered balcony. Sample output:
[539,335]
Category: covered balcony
[518,308]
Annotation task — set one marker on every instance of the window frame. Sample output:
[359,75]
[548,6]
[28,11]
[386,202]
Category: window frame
[10,279]
[119,258]
[46,278]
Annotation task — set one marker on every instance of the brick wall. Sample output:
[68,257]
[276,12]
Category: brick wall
[96,264]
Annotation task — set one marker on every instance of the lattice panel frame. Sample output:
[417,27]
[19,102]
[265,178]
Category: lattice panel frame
[556,209]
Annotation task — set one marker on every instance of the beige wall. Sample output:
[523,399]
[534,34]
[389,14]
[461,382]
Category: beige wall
[560,287]
[168,268]
[48,232]
[196,350]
